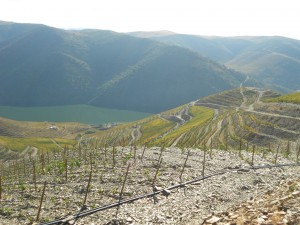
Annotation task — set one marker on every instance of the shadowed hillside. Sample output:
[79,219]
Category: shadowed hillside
[271,60]
[43,66]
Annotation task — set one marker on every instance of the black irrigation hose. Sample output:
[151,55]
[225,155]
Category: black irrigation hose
[102,208]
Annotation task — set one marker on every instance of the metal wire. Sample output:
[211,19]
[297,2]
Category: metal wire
[180,185]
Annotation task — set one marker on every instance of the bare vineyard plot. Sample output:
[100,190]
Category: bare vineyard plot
[170,167]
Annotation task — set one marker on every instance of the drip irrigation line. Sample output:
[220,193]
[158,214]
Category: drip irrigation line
[163,191]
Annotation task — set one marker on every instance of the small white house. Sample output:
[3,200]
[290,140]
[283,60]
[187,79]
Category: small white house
[53,127]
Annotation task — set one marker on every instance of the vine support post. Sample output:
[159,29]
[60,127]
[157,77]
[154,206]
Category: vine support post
[288,149]
[24,167]
[253,152]
[204,158]
[87,189]
[145,146]
[276,156]
[34,175]
[122,189]
[113,156]
[66,169]
[41,202]
[134,152]
[298,153]
[156,173]
[184,165]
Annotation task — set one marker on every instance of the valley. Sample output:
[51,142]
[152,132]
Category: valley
[100,127]
[240,138]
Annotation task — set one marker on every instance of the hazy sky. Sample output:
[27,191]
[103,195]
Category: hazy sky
[204,17]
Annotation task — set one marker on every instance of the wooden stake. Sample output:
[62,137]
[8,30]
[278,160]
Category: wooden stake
[276,156]
[41,202]
[161,152]
[210,152]
[253,152]
[288,149]
[66,169]
[156,173]
[14,165]
[298,153]
[113,153]
[87,188]
[184,166]
[34,175]
[85,158]
[105,152]
[122,189]
[24,167]
[79,149]
[203,168]
[134,153]
[48,157]
[143,151]
[240,145]
[91,160]
[43,162]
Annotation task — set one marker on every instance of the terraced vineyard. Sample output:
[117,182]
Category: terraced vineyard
[290,98]
[234,119]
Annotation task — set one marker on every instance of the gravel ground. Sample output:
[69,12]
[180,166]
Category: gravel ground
[192,204]
[280,206]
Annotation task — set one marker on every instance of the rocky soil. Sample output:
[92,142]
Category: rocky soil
[279,206]
[223,196]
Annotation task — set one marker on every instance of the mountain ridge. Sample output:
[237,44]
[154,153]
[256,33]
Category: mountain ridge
[273,60]
[42,66]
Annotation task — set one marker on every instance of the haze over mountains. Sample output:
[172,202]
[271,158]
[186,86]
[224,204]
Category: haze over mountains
[42,66]
[274,61]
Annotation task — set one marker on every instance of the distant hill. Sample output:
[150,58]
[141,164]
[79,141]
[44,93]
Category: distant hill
[216,48]
[272,60]
[44,66]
